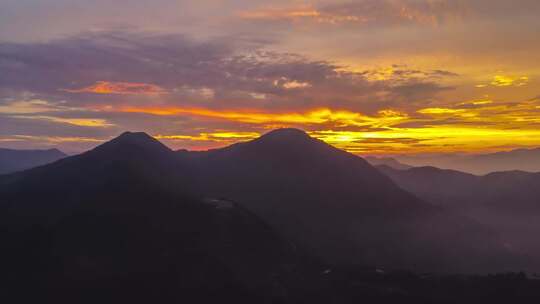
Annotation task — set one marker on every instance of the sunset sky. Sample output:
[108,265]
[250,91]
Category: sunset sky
[377,77]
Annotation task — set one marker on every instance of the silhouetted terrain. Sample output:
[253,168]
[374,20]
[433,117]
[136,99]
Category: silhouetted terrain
[341,208]
[520,159]
[281,219]
[118,223]
[508,202]
[17,160]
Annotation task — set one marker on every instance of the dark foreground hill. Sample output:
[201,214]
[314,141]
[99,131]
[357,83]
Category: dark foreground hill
[17,160]
[117,224]
[507,202]
[341,208]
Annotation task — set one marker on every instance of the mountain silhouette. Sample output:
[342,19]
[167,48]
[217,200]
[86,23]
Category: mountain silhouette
[284,218]
[18,160]
[118,224]
[339,206]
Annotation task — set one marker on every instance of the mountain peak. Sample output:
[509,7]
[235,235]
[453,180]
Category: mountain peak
[286,135]
[287,132]
[130,136]
[56,151]
[136,140]
[285,138]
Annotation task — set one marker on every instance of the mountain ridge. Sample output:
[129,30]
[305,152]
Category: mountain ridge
[13,160]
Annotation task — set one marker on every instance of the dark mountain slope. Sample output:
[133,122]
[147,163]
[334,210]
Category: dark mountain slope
[17,160]
[341,207]
[117,224]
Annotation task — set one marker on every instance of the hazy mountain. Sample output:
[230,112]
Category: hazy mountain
[437,186]
[387,161]
[509,191]
[118,224]
[508,202]
[522,159]
[339,206]
[17,160]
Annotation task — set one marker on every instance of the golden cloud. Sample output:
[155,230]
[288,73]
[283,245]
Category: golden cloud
[215,136]
[82,122]
[506,81]
[439,111]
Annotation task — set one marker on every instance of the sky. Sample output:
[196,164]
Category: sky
[377,77]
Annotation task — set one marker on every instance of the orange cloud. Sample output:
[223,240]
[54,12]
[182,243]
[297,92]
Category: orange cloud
[431,13]
[276,13]
[123,88]
[301,13]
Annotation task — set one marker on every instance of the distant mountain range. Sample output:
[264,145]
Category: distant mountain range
[17,160]
[264,221]
[387,161]
[507,202]
[522,159]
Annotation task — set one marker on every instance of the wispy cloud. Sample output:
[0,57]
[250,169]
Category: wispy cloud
[123,88]
[364,12]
